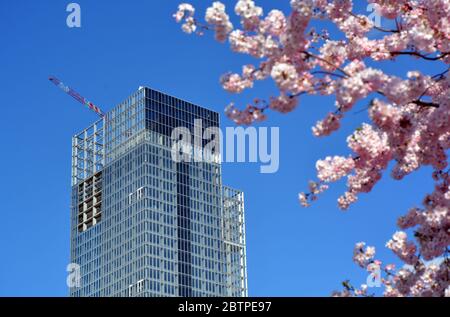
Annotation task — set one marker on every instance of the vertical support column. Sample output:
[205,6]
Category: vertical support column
[184,230]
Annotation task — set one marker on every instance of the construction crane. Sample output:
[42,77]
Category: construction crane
[77,96]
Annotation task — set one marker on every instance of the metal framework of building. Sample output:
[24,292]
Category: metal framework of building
[88,152]
[234,238]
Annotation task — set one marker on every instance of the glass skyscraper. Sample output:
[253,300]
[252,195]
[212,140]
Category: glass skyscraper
[143,224]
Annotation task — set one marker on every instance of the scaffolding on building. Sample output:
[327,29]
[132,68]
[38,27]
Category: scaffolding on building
[233,232]
[88,152]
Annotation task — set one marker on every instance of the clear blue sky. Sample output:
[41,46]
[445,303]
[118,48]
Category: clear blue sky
[123,44]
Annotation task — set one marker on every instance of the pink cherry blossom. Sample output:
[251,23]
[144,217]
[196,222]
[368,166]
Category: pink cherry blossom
[283,103]
[249,14]
[236,83]
[274,24]
[185,10]
[405,250]
[216,16]
[334,168]
[363,255]
[285,76]
[334,52]
[185,13]
[330,124]
[408,122]
[346,200]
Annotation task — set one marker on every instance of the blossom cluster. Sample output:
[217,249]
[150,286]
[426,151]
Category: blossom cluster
[409,115]
[219,19]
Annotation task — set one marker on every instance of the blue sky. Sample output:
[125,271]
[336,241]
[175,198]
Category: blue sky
[121,45]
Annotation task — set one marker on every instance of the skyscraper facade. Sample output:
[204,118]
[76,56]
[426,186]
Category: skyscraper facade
[143,224]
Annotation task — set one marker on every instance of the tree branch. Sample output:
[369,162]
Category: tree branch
[425,104]
[412,53]
[308,54]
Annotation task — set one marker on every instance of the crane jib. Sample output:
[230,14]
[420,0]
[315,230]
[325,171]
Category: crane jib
[76,96]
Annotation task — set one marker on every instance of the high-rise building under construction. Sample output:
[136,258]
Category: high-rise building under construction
[143,224]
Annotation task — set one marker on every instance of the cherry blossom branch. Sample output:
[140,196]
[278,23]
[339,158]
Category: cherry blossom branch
[308,54]
[374,26]
[398,132]
[425,103]
[327,73]
[397,24]
[441,76]
[413,53]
